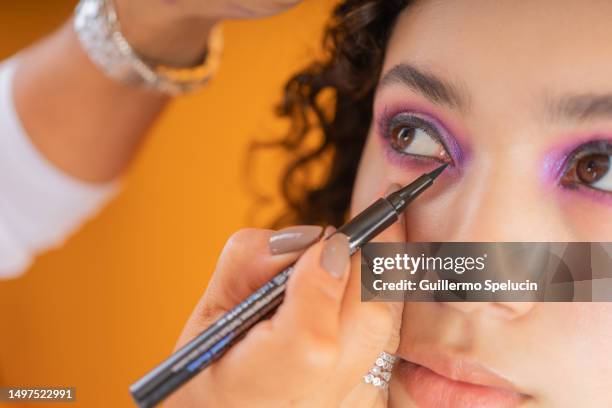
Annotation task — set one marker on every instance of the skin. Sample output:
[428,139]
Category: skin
[508,58]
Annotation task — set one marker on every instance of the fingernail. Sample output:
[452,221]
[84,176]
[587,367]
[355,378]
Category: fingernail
[392,188]
[330,229]
[293,238]
[335,255]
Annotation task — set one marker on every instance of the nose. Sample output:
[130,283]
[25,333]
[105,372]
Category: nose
[495,205]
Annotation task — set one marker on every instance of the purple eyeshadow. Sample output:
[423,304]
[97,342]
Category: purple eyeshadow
[561,159]
[449,142]
[556,161]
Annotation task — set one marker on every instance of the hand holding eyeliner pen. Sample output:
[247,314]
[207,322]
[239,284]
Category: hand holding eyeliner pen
[212,343]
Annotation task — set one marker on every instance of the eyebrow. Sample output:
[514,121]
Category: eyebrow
[581,107]
[573,107]
[434,88]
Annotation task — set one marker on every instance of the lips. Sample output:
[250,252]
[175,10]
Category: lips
[435,381]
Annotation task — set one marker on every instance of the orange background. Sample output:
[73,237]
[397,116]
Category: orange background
[104,309]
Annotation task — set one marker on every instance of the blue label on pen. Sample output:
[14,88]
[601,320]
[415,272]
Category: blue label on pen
[208,356]
[221,344]
[197,363]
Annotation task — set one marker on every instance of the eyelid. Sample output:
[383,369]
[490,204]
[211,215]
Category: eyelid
[417,121]
[594,193]
[595,146]
[442,135]
[569,179]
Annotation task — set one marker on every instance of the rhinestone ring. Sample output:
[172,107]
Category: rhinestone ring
[380,374]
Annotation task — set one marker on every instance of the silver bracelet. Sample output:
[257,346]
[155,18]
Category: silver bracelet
[99,32]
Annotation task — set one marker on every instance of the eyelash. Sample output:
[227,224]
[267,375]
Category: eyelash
[570,178]
[415,120]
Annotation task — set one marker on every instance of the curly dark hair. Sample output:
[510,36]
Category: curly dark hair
[354,43]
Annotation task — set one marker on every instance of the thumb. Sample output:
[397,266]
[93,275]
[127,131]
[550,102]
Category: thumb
[372,344]
[395,233]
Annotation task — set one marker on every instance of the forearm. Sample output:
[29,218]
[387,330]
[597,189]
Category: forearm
[86,124]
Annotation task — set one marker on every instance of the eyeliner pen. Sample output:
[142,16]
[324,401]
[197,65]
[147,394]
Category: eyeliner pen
[213,342]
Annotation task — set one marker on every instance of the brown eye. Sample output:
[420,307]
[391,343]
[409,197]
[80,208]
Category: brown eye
[413,136]
[402,137]
[592,168]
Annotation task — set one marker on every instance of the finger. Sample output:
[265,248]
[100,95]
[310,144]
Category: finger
[251,257]
[363,395]
[320,277]
[296,350]
[395,233]
[368,327]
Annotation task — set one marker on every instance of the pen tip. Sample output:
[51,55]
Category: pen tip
[434,174]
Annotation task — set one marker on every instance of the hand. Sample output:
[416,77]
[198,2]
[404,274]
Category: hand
[174,32]
[230,9]
[316,348]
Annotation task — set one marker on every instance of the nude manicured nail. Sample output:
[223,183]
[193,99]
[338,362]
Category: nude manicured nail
[330,229]
[335,255]
[293,238]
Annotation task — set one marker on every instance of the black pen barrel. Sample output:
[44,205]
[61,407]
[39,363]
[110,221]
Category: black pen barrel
[369,223]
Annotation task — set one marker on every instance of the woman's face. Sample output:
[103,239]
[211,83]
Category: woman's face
[518,97]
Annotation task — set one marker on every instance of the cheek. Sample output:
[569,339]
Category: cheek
[373,176]
[584,336]
[589,216]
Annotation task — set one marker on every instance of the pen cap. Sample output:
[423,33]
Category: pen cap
[369,223]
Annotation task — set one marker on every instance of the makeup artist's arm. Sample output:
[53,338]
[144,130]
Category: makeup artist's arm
[91,126]
[67,131]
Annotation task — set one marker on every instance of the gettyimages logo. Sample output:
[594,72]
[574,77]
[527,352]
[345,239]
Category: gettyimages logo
[515,271]
[413,264]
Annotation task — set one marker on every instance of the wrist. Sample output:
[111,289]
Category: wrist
[159,33]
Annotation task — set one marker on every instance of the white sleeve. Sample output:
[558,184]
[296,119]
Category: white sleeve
[39,204]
